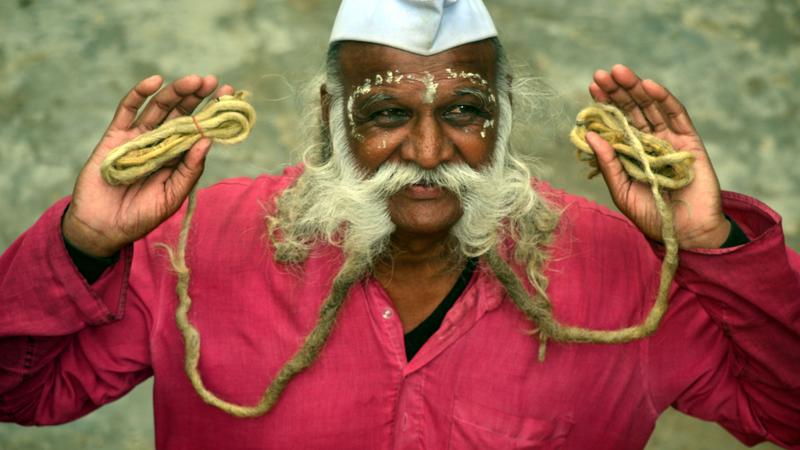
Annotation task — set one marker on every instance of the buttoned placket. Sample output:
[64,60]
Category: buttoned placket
[407,429]
[409,426]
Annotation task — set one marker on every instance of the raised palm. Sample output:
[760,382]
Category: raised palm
[102,218]
[699,220]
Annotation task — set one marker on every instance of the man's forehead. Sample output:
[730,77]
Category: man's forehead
[473,62]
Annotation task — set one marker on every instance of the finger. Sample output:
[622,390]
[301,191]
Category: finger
[187,106]
[187,172]
[130,104]
[610,167]
[622,99]
[226,89]
[676,113]
[631,82]
[166,99]
[598,94]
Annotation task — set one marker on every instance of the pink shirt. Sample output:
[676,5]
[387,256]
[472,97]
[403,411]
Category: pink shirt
[728,350]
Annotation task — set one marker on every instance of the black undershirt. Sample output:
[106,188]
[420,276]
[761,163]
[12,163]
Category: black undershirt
[92,267]
[415,338]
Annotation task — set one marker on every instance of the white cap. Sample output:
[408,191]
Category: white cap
[424,27]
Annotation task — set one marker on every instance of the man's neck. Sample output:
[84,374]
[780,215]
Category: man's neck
[418,274]
[418,254]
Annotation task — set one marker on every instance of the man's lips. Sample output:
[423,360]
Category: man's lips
[423,191]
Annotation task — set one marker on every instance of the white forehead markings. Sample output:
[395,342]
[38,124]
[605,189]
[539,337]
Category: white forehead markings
[428,80]
[389,78]
[430,88]
[429,96]
[486,124]
[366,87]
[475,78]
[360,90]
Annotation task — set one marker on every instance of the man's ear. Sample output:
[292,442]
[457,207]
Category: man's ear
[325,104]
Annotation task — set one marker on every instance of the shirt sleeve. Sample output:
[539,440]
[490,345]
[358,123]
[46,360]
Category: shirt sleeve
[729,348]
[61,352]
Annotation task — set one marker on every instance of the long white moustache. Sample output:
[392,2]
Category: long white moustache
[392,177]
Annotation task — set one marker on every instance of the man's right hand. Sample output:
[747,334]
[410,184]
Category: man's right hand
[101,218]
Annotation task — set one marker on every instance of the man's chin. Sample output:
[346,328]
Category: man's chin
[429,219]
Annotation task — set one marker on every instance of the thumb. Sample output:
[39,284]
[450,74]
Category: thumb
[610,167]
[189,170]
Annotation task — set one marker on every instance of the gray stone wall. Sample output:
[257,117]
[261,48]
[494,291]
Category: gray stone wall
[64,65]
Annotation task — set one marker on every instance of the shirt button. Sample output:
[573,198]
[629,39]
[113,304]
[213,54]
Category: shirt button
[405,421]
[387,313]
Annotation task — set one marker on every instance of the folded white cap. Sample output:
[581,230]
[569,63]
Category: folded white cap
[424,27]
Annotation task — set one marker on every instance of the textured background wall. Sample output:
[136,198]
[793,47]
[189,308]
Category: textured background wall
[65,64]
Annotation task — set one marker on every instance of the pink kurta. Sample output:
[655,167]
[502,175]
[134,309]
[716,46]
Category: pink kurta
[728,350]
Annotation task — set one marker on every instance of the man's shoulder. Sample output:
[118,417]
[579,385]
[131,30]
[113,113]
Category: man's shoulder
[576,209]
[233,204]
[264,186]
[590,230]
[597,254]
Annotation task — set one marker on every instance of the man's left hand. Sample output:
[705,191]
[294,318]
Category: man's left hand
[650,107]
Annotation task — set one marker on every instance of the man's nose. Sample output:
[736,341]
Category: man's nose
[428,146]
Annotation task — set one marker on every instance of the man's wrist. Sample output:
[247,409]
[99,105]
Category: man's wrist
[90,266]
[729,234]
[83,238]
[711,237]
[736,236]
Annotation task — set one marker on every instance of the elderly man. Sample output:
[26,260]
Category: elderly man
[385,229]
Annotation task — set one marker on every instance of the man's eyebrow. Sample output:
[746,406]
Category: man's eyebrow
[486,98]
[365,101]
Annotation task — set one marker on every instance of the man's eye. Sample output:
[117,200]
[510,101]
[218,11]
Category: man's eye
[392,116]
[462,114]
